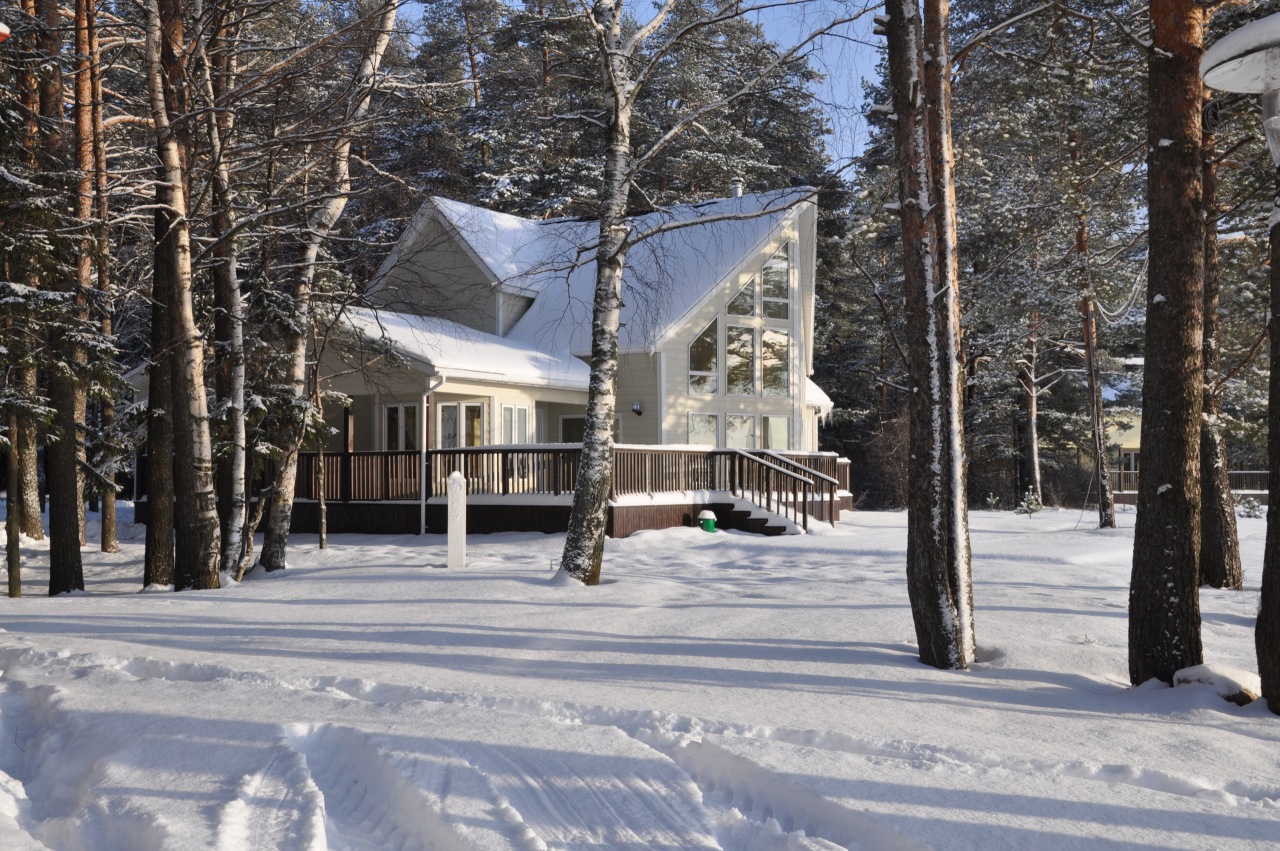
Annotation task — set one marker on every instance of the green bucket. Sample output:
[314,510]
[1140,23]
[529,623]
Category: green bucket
[707,520]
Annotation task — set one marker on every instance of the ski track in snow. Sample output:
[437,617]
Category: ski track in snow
[58,762]
[339,787]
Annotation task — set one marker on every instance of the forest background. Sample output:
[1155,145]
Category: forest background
[250,163]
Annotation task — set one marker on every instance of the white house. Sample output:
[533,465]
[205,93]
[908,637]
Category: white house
[491,314]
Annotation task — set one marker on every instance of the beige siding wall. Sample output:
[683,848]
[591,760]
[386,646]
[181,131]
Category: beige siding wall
[638,382]
[433,275]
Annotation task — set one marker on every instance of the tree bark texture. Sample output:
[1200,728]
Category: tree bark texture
[1164,602]
[102,261]
[1093,373]
[158,560]
[1266,635]
[218,69]
[584,546]
[29,461]
[938,577]
[12,528]
[320,225]
[66,572]
[196,534]
[1220,565]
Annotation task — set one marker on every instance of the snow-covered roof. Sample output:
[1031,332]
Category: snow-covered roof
[665,276]
[816,397]
[455,351]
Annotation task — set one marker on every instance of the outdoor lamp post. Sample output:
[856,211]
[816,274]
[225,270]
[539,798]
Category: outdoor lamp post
[1247,61]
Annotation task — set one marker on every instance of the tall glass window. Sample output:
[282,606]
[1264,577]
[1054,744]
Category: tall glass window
[448,426]
[740,361]
[704,368]
[740,432]
[776,292]
[776,360]
[402,427]
[515,424]
[461,425]
[744,303]
[704,429]
[777,433]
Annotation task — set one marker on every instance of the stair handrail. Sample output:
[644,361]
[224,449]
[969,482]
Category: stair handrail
[799,509]
[832,483]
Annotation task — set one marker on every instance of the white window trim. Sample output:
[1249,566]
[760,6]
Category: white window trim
[716,373]
[386,420]
[689,427]
[515,424]
[765,299]
[462,422]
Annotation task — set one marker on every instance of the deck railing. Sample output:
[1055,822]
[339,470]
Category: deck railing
[1126,481]
[796,485]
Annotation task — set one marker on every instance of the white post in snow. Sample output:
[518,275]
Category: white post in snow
[457,520]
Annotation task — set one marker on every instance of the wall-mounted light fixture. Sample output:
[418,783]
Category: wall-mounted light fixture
[636,409]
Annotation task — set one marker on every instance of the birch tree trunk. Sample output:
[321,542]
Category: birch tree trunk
[1266,635]
[584,546]
[1220,565]
[319,227]
[938,572]
[218,78]
[196,552]
[1164,601]
[102,262]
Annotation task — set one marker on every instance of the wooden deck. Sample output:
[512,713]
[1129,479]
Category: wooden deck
[529,488]
[1252,483]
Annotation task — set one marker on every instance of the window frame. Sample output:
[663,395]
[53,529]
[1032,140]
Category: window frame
[765,298]
[714,372]
[415,437]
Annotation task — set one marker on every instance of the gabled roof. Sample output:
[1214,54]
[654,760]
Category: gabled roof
[665,276]
[455,351]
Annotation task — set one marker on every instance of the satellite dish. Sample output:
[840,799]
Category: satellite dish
[4,32]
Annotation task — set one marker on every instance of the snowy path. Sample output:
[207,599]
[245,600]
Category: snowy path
[393,767]
[705,697]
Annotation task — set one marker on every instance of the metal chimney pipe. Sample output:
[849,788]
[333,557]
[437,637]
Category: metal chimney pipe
[735,187]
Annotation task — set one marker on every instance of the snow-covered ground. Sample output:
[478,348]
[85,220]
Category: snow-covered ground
[717,691]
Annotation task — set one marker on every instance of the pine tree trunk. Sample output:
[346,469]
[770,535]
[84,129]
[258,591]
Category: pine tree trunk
[1093,373]
[937,524]
[158,559]
[1220,565]
[29,460]
[12,527]
[1266,635]
[583,554]
[1164,602]
[65,503]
